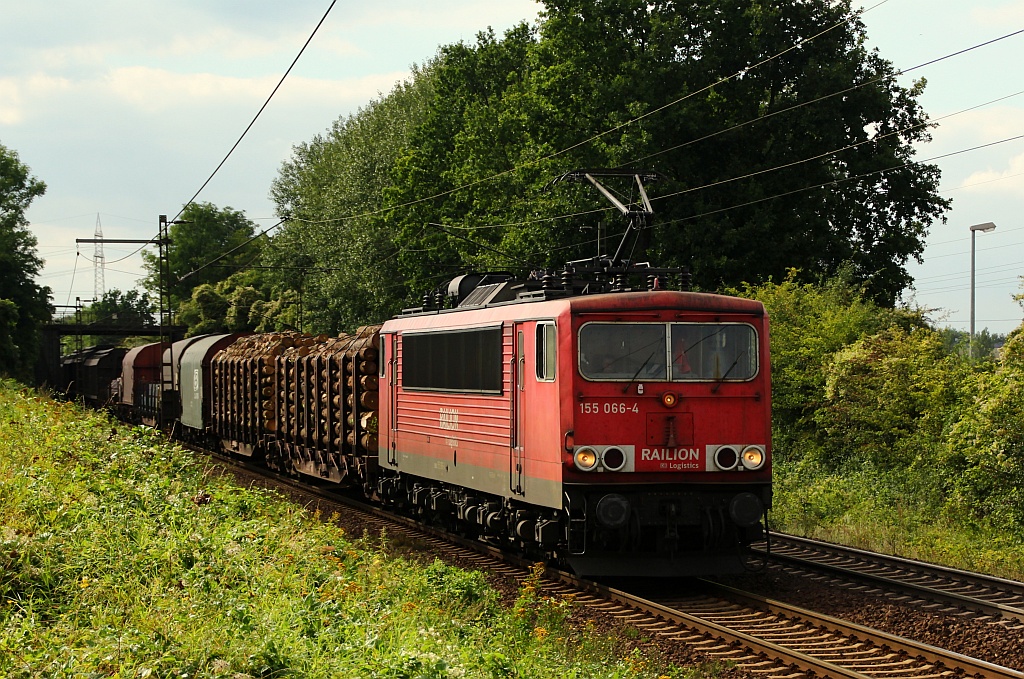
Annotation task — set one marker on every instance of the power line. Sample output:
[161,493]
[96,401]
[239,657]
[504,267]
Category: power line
[988,283]
[959,254]
[835,151]
[73,272]
[960,240]
[987,181]
[775,168]
[237,247]
[262,108]
[682,219]
[823,98]
[267,102]
[992,269]
[836,181]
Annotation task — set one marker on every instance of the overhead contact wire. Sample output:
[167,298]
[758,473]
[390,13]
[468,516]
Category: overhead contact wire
[824,97]
[265,104]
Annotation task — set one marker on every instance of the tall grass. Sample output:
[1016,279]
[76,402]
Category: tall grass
[122,556]
[889,512]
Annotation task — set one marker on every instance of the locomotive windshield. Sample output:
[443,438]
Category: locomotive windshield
[677,352]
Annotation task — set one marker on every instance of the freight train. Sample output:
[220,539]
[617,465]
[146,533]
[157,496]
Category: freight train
[615,430]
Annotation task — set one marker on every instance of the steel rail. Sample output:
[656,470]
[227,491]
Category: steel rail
[933,654]
[783,655]
[910,569]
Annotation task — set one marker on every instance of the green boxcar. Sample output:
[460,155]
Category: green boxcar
[194,377]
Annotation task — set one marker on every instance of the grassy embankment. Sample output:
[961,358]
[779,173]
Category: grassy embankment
[121,556]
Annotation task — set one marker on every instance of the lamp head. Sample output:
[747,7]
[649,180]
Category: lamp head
[986,227]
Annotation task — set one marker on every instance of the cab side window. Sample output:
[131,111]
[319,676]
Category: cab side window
[546,351]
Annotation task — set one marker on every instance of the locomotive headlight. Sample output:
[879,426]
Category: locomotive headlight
[585,458]
[726,458]
[613,459]
[669,399]
[752,457]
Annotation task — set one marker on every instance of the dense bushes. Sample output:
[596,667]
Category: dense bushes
[985,458]
[887,438]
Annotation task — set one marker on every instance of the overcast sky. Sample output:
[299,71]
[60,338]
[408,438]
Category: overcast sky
[124,108]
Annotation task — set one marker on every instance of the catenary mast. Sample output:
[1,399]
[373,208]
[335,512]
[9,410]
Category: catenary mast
[99,287]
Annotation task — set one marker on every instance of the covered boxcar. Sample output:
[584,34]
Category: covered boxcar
[91,373]
[140,382]
[195,382]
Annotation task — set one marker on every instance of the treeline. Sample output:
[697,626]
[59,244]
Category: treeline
[452,170]
[24,304]
[886,437]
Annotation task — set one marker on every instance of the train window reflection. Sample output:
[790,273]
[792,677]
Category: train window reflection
[623,351]
[678,352]
[720,351]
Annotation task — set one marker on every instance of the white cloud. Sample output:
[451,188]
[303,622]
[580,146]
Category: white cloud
[17,95]
[473,16]
[231,44]
[1009,179]
[81,55]
[1010,14]
[151,89]
[986,124]
[11,112]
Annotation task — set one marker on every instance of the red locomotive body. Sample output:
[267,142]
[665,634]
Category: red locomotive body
[624,433]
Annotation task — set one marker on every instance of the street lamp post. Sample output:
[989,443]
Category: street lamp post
[986,227]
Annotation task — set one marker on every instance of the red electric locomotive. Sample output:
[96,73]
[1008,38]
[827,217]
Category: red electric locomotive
[622,433]
[590,416]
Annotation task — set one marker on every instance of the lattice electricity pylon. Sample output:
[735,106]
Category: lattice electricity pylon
[99,262]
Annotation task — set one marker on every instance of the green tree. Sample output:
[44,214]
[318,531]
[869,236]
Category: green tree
[246,301]
[24,305]
[639,56]
[205,312]
[338,249]
[203,233]
[821,180]
[986,343]
[130,309]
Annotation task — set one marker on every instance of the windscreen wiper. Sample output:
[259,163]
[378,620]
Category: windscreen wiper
[639,370]
[721,379]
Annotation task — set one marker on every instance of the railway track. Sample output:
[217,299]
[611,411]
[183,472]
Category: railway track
[764,637]
[813,642]
[927,586]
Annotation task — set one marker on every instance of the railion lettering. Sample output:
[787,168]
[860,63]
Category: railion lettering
[670,454]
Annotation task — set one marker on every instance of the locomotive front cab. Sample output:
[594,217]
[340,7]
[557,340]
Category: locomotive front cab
[667,459]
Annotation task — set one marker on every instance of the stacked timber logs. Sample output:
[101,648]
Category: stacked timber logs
[311,401]
[326,404]
[244,385]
